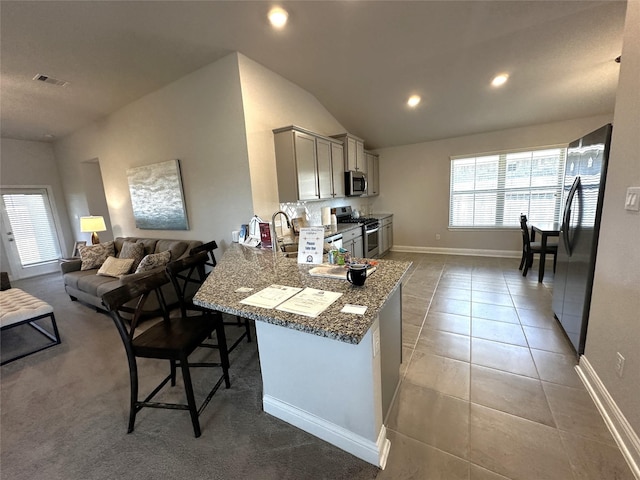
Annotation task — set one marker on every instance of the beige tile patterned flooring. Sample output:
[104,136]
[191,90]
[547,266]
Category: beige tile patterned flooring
[489,389]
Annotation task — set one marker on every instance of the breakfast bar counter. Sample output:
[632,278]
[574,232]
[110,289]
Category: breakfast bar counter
[333,375]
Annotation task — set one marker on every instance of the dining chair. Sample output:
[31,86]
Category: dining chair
[172,339]
[529,248]
[209,248]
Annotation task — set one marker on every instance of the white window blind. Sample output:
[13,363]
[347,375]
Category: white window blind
[493,190]
[32,227]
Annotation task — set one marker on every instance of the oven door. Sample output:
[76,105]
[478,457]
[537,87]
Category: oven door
[371,244]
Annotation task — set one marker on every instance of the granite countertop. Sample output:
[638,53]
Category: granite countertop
[255,268]
[341,228]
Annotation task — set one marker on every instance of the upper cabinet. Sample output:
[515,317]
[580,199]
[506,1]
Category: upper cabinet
[354,157]
[309,166]
[373,175]
[337,169]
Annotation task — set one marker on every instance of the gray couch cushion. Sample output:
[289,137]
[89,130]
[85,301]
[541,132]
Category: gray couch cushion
[73,278]
[91,283]
[149,245]
[176,248]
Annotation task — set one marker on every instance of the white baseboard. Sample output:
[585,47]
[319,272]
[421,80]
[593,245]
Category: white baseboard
[375,453]
[458,251]
[622,432]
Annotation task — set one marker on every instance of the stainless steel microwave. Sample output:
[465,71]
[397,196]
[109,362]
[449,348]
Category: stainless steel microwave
[355,183]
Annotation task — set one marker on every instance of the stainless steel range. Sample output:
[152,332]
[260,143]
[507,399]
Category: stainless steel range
[370,227]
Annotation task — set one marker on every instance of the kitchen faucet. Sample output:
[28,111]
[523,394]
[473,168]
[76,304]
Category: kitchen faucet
[274,242]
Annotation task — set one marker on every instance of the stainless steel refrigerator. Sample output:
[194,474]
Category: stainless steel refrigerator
[584,182]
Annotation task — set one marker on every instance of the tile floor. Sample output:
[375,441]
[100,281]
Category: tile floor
[489,389]
[489,392]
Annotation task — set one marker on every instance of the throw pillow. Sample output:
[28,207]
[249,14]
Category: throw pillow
[154,260]
[93,256]
[115,267]
[132,250]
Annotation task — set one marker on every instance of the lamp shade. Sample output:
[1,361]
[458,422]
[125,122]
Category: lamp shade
[94,223]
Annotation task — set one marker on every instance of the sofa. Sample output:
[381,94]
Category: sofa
[88,286]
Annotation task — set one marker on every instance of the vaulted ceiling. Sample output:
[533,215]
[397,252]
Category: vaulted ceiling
[361,60]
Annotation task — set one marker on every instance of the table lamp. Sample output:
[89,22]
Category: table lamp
[93,224]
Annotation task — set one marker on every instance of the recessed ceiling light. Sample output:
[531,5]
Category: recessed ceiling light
[278,17]
[413,100]
[500,80]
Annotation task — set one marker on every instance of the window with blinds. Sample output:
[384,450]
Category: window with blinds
[32,227]
[493,190]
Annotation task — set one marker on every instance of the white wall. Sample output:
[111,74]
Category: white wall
[414,183]
[614,321]
[91,178]
[33,163]
[197,119]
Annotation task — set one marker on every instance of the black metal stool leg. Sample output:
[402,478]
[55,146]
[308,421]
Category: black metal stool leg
[191,401]
[224,353]
[172,362]
[133,377]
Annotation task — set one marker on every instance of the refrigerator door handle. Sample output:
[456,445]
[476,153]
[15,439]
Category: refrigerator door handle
[566,220]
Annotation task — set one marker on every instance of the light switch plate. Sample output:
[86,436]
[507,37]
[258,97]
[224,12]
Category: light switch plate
[632,200]
[376,342]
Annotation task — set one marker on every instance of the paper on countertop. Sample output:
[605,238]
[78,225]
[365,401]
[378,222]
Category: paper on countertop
[335,271]
[271,296]
[243,290]
[310,302]
[357,309]
[329,271]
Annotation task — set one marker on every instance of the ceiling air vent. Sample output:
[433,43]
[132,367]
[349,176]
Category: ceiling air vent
[47,79]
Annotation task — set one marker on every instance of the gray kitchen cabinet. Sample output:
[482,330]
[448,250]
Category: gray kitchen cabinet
[337,169]
[373,176]
[354,158]
[353,242]
[386,239]
[325,175]
[358,247]
[307,165]
[330,174]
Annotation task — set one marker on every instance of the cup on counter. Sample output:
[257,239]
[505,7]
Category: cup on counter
[357,274]
[235,236]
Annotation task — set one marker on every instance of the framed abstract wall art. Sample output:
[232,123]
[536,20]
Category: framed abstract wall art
[157,197]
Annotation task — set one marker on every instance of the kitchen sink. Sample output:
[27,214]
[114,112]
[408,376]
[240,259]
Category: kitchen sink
[290,250]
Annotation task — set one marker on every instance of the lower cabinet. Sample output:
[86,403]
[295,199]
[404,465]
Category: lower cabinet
[386,240]
[353,242]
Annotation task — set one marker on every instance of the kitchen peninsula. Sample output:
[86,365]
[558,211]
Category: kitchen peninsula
[333,375]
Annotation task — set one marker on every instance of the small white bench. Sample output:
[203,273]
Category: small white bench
[18,308]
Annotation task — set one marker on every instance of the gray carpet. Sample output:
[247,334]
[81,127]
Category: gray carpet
[65,412]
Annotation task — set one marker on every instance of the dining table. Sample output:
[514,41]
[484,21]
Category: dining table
[545,230]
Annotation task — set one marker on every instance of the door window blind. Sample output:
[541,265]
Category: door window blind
[493,190]
[32,227]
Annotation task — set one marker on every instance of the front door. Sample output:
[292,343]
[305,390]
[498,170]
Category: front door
[29,233]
